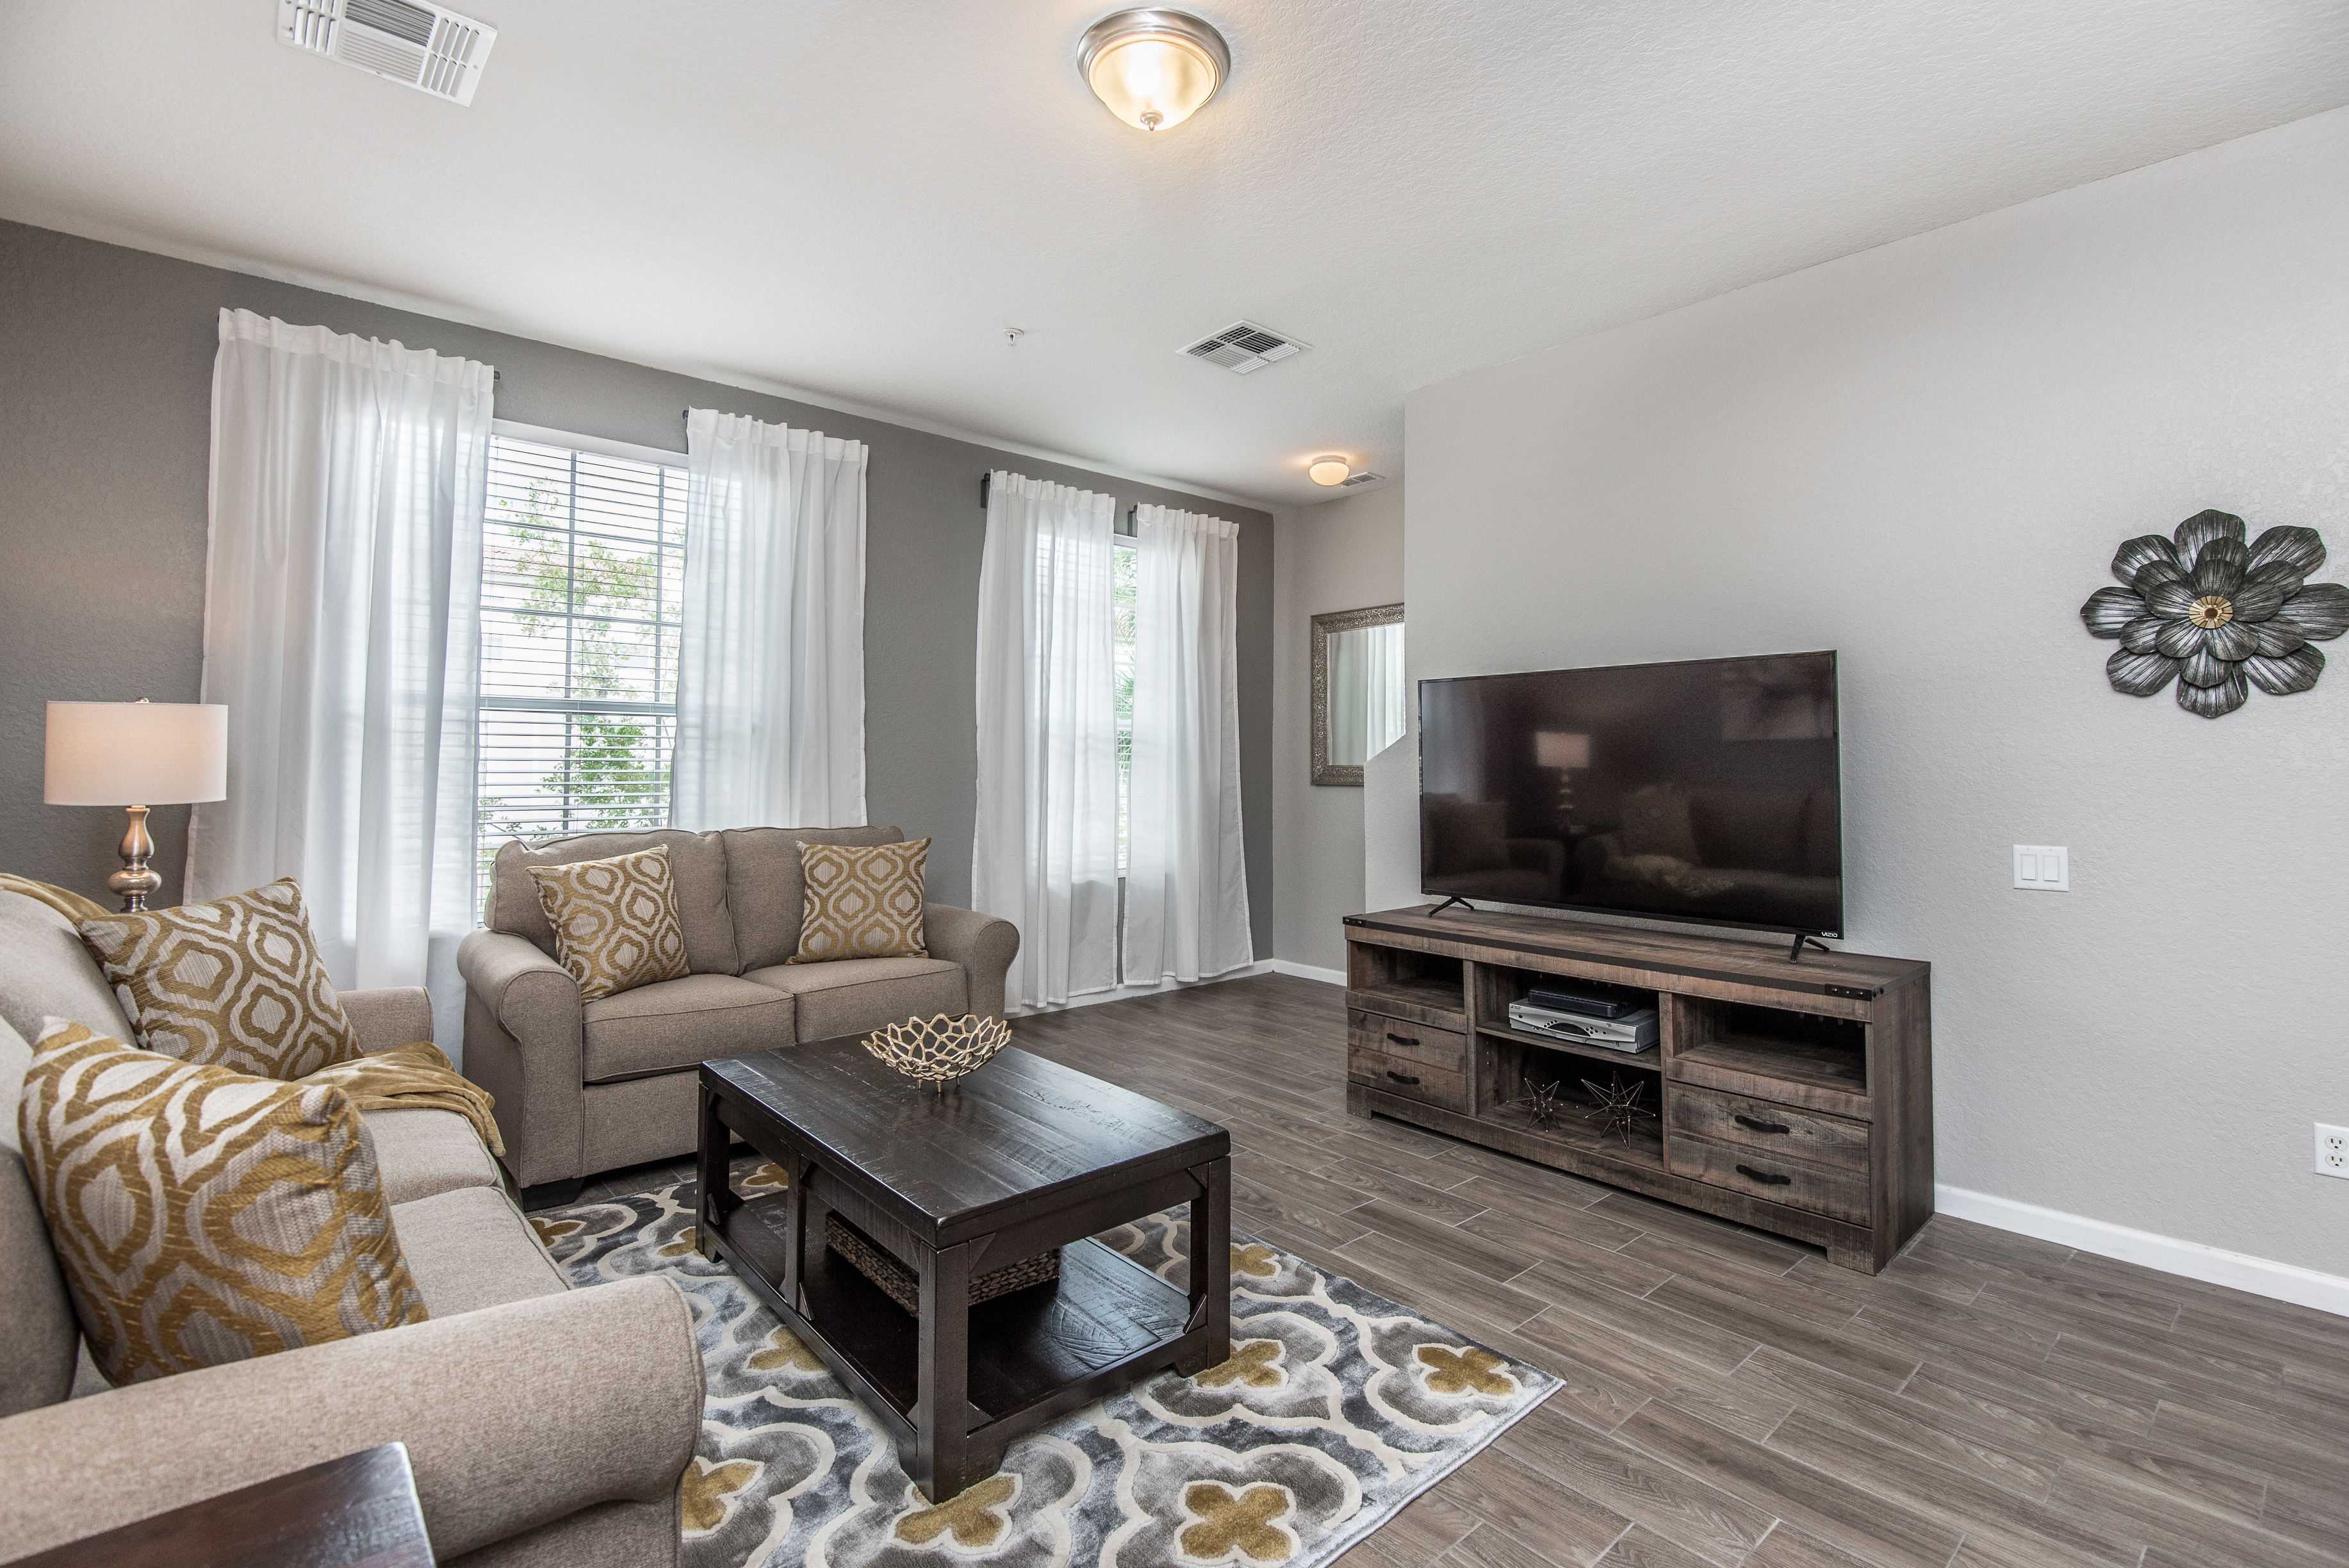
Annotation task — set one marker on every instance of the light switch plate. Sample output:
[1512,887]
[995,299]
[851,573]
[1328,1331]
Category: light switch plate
[2043,868]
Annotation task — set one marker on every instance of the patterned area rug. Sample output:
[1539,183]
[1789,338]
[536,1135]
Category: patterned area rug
[1337,1408]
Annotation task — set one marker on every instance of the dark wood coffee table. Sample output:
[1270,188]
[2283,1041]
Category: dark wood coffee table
[1022,1155]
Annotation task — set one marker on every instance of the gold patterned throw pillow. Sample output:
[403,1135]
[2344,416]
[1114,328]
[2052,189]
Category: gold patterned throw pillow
[236,983]
[861,903]
[202,1216]
[614,921]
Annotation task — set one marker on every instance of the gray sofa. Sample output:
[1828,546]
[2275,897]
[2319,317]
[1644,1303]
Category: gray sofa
[583,1088]
[573,1461]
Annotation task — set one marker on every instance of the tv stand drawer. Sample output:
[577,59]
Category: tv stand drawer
[1778,1131]
[1445,1049]
[1797,1183]
[1402,1075]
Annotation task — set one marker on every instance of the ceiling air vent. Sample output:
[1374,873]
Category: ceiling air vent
[421,46]
[1350,480]
[1243,348]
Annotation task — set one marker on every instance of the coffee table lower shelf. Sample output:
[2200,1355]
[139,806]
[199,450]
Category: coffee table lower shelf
[1035,1355]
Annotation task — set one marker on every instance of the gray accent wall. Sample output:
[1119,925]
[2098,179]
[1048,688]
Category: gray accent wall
[106,357]
[1344,554]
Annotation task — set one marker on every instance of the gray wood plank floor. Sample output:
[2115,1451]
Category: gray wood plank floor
[1987,1401]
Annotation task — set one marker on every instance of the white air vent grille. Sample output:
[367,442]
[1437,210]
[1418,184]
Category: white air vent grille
[1243,347]
[420,45]
[1352,480]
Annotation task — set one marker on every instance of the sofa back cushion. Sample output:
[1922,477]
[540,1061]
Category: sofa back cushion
[697,874]
[45,970]
[38,1349]
[765,888]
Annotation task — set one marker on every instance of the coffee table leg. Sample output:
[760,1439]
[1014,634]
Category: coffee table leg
[713,1184]
[942,1458]
[1211,1269]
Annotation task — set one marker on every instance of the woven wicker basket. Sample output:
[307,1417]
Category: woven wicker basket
[903,1287]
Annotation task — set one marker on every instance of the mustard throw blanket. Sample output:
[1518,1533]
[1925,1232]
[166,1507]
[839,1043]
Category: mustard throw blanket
[415,1076]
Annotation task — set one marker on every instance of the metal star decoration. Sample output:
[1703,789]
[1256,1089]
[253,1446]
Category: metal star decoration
[1618,1106]
[1541,1101]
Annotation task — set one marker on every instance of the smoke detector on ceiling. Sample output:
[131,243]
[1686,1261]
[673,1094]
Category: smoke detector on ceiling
[1243,348]
[420,45]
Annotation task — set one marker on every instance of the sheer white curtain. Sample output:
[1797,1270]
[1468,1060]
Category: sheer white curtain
[770,666]
[342,598]
[1186,903]
[1044,856]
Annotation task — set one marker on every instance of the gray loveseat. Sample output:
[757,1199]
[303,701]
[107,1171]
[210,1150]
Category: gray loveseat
[583,1088]
[573,1459]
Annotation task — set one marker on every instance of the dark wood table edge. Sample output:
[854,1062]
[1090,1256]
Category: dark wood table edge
[263,1523]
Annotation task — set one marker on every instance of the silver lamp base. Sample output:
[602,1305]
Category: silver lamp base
[134,882]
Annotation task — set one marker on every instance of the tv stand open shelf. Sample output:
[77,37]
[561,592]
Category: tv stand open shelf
[1795,1098]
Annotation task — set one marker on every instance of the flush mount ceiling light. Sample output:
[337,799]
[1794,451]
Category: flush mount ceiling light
[1154,68]
[1328,470]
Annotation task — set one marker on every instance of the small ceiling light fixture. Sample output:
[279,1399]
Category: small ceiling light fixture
[1154,68]
[1331,470]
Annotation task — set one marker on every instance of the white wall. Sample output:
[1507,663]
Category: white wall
[1344,554]
[1923,456]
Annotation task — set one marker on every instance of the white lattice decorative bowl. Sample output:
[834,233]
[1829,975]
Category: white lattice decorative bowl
[941,1050]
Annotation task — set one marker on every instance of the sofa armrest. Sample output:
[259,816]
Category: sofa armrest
[394,1015]
[525,1042]
[600,1401]
[983,945]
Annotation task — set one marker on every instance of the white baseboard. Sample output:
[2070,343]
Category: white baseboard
[1127,992]
[1307,972]
[2211,1266]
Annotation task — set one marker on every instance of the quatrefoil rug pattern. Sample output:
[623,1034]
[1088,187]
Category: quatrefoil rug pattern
[1337,1408]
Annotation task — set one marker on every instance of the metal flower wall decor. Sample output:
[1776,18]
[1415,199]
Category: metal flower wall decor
[2217,616]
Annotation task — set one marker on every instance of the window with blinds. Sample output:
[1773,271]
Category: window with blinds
[582,558]
[1124,586]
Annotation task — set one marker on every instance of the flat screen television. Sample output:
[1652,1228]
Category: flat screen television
[1709,790]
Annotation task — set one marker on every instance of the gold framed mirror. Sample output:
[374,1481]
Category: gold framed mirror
[1359,692]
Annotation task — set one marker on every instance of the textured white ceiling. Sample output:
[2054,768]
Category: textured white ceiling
[854,198]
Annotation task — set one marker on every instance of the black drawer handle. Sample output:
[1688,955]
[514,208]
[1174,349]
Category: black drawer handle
[1399,1078]
[1764,1177]
[1762,1126]
[1404,1039]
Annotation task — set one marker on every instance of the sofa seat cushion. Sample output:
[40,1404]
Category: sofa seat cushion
[471,1248]
[421,1153]
[857,996]
[676,1024]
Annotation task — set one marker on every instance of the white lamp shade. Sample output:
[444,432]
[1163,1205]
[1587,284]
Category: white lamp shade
[136,753]
[1555,749]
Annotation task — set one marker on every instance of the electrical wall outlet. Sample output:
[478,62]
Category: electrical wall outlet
[2333,1152]
[2043,868]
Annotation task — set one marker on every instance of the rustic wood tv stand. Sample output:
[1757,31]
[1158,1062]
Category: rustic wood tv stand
[1794,1097]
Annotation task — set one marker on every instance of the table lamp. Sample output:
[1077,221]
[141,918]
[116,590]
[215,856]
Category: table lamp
[1565,752]
[136,755]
